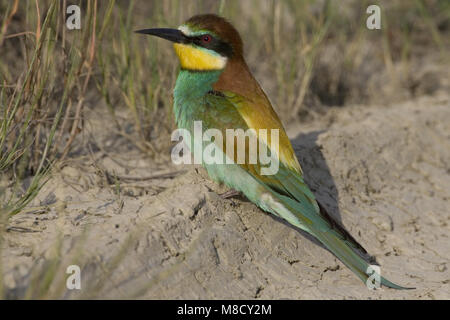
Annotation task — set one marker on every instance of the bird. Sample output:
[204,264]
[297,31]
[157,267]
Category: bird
[215,86]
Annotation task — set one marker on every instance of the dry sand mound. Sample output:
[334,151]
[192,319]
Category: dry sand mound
[384,172]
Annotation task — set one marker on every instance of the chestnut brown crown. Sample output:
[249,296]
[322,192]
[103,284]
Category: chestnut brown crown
[220,27]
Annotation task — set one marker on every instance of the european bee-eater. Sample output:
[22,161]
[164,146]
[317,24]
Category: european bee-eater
[216,87]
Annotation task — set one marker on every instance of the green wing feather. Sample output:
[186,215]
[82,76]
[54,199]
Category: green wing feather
[285,193]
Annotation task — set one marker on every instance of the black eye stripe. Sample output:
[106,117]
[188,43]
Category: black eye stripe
[214,44]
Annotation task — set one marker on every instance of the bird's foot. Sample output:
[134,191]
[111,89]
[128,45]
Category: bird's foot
[229,194]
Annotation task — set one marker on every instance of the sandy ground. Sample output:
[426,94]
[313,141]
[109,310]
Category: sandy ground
[141,230]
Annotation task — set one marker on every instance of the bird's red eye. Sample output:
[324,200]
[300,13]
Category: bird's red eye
[206,38]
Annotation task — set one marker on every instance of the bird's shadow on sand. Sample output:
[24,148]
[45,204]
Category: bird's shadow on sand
[316,172]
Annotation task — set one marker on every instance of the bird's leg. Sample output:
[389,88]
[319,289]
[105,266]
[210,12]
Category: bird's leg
[229,194]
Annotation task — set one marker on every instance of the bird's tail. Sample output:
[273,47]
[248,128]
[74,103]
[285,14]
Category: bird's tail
[351,259]
[334,237]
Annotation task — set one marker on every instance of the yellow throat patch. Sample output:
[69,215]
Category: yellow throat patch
[192,58]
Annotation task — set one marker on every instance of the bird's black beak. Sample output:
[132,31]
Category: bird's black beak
[173,35]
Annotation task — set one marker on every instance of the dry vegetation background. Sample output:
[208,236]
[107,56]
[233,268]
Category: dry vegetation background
[71,98]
